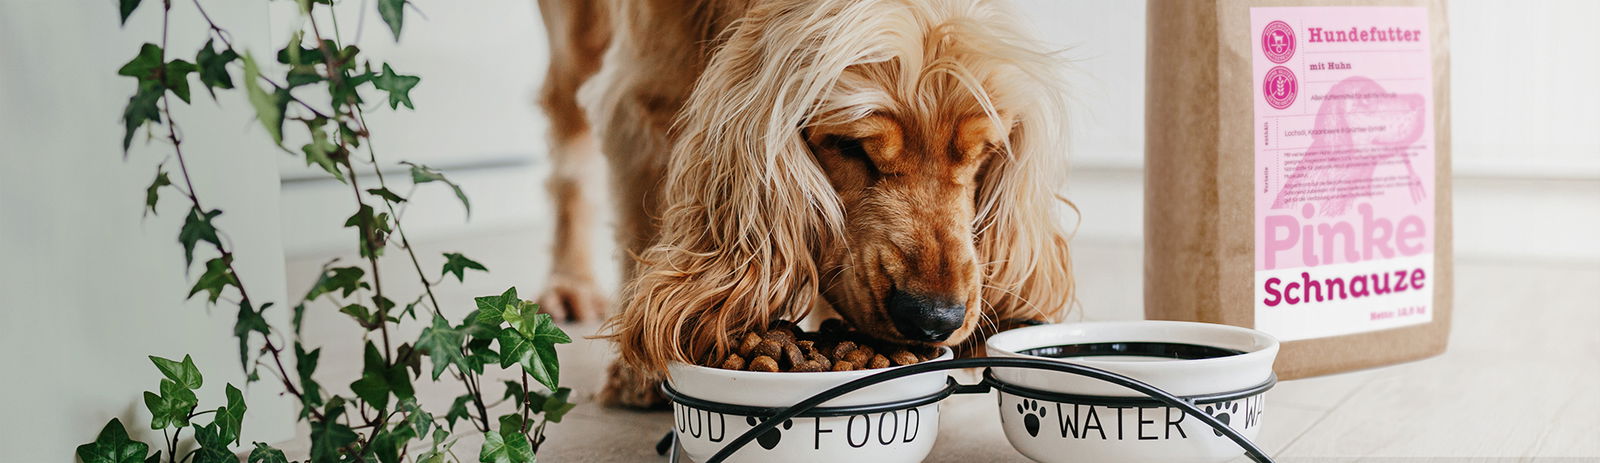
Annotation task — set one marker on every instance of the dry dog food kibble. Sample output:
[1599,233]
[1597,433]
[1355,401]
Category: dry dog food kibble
[835,347]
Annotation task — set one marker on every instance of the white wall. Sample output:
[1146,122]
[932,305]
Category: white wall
[475,120]
[89,286]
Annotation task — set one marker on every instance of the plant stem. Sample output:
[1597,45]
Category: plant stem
[194,199]
[172,448]
[538,435]
[523,428]
[369,240]
[228,44]
[476,392]
[372,154]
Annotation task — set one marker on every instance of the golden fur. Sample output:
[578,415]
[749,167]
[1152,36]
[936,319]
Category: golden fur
[772,157]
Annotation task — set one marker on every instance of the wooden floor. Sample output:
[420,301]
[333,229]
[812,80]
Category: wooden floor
[1520,381]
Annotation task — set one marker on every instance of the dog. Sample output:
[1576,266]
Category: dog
[896,162]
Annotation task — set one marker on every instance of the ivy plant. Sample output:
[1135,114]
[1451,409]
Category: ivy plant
[321,97]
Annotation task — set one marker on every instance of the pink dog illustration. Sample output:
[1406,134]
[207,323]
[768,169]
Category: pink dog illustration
[1359,127]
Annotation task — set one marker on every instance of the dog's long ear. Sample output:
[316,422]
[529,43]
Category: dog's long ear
[746,203]
[1023,221]
[1022,234]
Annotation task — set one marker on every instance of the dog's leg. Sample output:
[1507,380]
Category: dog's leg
[578,35]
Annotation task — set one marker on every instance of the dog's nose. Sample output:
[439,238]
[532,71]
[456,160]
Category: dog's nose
[921,317]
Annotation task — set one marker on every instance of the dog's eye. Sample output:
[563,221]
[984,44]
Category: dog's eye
[850,147]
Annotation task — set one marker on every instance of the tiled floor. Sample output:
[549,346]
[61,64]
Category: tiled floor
[1521,378]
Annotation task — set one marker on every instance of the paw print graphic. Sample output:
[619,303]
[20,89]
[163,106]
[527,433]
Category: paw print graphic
[1223,413]
[1031,413]
[769,440]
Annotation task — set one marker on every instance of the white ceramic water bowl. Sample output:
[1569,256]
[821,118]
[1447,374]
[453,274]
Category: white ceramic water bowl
[901,435]
[1058,431]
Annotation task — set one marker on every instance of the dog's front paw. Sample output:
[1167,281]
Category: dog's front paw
[572,298]
[629,387]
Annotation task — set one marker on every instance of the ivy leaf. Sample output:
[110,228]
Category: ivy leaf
[217,277]
[329,437]
[372,229]
[181,399]
[405,355]
[144,65]
[457,264]
[479,353]
[347,90]
[170,408]
[387,195]
[345,280]
[305,365]
[230,418]
[499,448]
[513,348]
[269,106]
[398,85]
[361,315]
[443,345]
[545,330]
[538,327]
[303,75]
[418,419]
[541,364]
[249,320]
[322,151]
[141,109]
[379,380]
[532,343]
[264,453]
[372,387]
[458,410]
[160,412]
[213,445]
[515,392]
[295,53]
[423,174]
[556,405]
[393,13]
[152,194]
[197,227]
[176,78]
[299,317]
[511,423]
[126,7]
[113,444]
[183,373]
[522,316]
[491,308]
[213,67]
[387,444]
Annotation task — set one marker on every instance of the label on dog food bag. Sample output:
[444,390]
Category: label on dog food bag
[1344,179]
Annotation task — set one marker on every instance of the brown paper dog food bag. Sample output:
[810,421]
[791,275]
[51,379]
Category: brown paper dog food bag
[1298,175]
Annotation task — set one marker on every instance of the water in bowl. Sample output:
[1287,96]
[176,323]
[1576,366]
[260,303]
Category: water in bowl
[1132,351]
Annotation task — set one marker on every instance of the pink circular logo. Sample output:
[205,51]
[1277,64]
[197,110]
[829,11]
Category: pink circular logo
[1277,41]
[1280,87]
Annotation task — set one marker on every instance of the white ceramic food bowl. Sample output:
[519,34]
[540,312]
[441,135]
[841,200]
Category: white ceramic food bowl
[889,436]
[1054,429]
